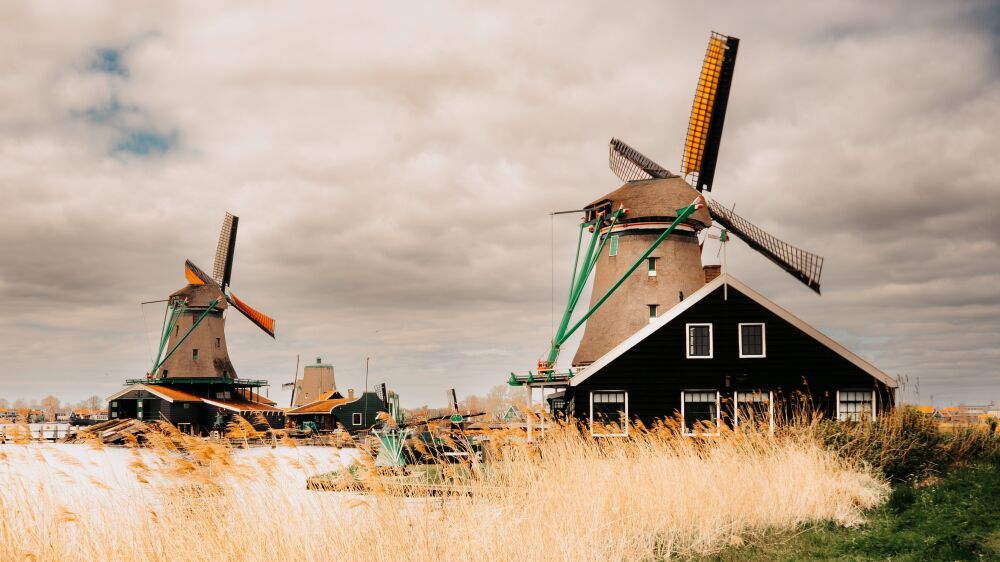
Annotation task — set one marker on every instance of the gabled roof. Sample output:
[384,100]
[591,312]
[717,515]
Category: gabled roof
[321,406]
[239,405]
[760,299]
[165,392]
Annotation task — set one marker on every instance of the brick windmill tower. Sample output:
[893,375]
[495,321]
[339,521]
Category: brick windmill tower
[645,238]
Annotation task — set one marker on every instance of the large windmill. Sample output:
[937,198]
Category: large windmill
[192,382]
[193,340]
[644,248]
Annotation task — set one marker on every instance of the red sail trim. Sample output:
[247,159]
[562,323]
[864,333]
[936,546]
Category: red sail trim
[263,321]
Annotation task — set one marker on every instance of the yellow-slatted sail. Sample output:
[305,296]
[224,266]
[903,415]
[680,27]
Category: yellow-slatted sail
[704,104]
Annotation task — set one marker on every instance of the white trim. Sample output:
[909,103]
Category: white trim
[725,280]
[718,414]
[874,401]
[687,340]
[770,407]
[651,271]
[763,339]
[591,418]
[146,388]
[357,416]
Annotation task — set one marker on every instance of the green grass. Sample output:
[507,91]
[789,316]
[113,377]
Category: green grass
[956,519]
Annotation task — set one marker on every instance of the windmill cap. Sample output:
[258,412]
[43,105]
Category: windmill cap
[201,296]
[655,198]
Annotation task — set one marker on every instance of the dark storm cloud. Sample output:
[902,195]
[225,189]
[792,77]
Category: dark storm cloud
[393,167]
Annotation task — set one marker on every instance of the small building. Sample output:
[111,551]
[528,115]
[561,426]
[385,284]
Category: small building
[332,411]
[721,356]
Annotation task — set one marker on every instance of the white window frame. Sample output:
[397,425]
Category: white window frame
[357,418]
[770,407]
[652,311]
[763,339]
[687,340]
[874,401]
[718,414]
[591,419]
[651,266]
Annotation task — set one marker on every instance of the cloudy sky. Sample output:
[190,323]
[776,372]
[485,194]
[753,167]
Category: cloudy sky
[393,165]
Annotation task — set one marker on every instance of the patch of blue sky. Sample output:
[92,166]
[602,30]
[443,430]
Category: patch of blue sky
[109,61]
[145,142]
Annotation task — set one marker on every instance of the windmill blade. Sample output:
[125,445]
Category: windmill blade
[708,112]
[195,275]
[630,165]
[263,321]
[803,265]
[222,270]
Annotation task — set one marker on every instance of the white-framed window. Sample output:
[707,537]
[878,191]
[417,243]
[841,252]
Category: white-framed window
[700,412]
[356,418]
[651,262]
[856,405]
[754,408]
[752,340]
[699,341]
[609,413]
[652,312]
[613,247]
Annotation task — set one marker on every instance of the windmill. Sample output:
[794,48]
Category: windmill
[193,339]
[652,223]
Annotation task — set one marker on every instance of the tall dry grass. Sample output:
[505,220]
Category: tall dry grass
[652,496]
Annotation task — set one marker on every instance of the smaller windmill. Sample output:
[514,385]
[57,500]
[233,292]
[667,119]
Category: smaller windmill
[193,340]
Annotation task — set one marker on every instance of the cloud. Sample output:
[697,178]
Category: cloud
[393,166]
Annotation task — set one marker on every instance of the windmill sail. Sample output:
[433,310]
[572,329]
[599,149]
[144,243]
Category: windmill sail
[195,275]
[263,321]
[630,165]
[708,112]
[222,270]
[804,266]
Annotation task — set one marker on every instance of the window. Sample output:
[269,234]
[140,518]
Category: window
[165,371]
[754,408]
[699,344]
[652,266]
[652,312]
[613,249]
[608,413]
[222,395]
[218,343]
[177,329]
[187,406]
[700,411]
[356,418]
[855,405]
[752,340]
[114,403]
[194,354]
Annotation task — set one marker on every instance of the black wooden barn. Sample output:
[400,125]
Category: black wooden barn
[194,409]
[722,356]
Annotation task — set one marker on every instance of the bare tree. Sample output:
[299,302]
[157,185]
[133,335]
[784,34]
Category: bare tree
[93,403]
[50,405]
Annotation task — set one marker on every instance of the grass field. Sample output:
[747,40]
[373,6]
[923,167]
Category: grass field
[956,518]
[814,490]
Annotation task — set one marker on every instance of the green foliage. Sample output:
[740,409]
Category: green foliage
[906,445]
[955,519]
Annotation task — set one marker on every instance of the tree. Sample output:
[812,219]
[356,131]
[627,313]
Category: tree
[50,404]
[93,403]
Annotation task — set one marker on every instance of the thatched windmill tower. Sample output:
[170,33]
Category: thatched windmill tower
[645,241]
